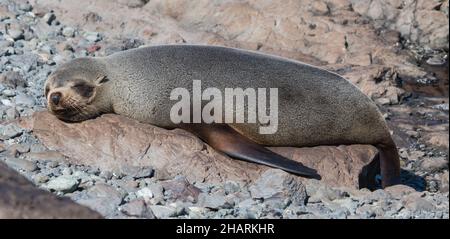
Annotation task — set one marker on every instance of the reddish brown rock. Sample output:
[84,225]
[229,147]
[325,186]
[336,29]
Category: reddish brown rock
[19,198]
[112,142]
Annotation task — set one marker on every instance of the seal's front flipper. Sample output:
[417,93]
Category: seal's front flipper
[225,139]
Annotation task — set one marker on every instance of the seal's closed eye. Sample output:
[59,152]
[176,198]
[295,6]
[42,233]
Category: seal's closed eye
[83,89]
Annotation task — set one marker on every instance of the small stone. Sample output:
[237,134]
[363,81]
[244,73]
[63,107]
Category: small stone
[145,193]
[319,8]
[213,201]
[68,31]
[26,7]
[15,34]
[5,44]
[180,208]
[163,211]
[403,152]
[22,99]
[9,93]
[64,184]
[157,190]
[66,171]
[48,50]
[444,182]
[12,113]
[49,18]
[137,208]
[106,175]
[325,192]
[6,102]
[231,187]
[275,183]
[92,36]
[103,198]
[197,212]
[21,164]
[399,191]
[413,134]
[432,186]
[436,60]
[443,107]
[10,131]
[416,155]
[40,178]
[383,101]
[180,189]
[93,48]
[421,205]
[247,203]
[134,3]
[128,185]
[37,147]
[277,203]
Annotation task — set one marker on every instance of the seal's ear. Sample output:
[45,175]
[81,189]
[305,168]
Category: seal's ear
[101,80]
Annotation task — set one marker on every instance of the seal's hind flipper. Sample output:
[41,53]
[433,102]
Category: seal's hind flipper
[225,139]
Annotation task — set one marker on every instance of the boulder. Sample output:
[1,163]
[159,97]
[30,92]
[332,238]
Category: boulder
[113,143]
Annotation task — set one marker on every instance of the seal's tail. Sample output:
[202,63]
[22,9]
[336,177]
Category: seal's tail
[389,163]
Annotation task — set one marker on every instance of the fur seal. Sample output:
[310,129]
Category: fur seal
[316,107]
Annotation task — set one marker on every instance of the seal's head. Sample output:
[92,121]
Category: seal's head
[72,90]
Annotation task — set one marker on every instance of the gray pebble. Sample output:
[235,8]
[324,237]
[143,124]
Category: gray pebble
[137,208]
[10,131]
[64,184]
[92,36]
[103,198]
[40,178]
[163,211]
[26,7]
[22,99]
[66,171]
[9,93]
[145,193]
[12,113]
[106,174]
[277,183]
[49,18]
[15,34]
[68,31]
[213,201]
[231,187]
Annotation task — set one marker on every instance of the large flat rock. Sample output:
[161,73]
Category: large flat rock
[112,142]
[19,198]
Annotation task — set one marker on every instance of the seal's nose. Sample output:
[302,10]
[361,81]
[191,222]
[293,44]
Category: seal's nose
[55,97]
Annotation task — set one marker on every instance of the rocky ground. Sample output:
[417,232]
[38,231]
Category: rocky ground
[395,51]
